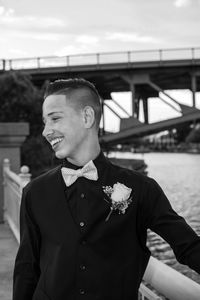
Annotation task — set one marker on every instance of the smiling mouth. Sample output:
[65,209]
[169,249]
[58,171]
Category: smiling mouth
[55,142]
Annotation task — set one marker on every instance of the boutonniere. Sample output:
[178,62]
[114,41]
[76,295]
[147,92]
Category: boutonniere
[120,198]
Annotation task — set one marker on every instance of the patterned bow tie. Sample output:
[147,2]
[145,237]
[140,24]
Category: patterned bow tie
[89,171]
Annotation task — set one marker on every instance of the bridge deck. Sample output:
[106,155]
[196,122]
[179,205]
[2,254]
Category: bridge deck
[168,68]
[8,250]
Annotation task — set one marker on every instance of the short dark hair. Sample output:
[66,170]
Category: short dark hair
[69,86]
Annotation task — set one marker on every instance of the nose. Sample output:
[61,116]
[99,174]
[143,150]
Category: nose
[47,131]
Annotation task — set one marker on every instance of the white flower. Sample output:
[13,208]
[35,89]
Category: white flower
[120,192]
[120,198]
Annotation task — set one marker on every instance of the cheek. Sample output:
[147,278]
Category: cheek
[72,128]
[76,126]
[66,128]
[72,131]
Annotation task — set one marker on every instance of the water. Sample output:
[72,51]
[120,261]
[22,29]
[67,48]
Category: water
[179,176]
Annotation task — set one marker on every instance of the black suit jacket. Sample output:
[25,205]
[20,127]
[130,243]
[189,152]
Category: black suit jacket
[62,258]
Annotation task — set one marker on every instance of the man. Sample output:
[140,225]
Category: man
[83,225]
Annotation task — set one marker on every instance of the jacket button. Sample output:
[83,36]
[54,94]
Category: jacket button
[82,224]
[82,267]
[83,242]
[81,291]
[82,195]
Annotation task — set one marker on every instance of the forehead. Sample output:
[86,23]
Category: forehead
[54,103]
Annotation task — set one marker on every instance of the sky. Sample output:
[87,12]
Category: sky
[63,27]
[44,27]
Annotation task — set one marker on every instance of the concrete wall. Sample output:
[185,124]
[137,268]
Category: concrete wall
[12,135]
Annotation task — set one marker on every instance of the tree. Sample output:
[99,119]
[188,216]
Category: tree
[21,101]
[194,135]
[182,132]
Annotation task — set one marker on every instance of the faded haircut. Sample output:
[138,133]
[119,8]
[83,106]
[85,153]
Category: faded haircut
[68,87]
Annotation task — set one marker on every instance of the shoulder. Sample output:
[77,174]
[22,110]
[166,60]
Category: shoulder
[42,179]
[134,177]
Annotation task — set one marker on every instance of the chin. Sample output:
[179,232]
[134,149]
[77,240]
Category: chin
[60,155]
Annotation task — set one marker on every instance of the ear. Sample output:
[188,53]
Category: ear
[89,116]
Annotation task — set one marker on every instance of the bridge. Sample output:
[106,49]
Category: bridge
[145,74]
[127,135]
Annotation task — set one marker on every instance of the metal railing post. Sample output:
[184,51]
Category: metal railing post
[38,62]
[3,64]
[193,55]
[67,60]
[160,55]
[10,64]
[98,58]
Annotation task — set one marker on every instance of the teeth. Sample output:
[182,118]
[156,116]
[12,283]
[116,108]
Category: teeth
[55,141]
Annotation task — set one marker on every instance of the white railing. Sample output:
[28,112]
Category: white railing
[13,185]
[169,282]
[163,279]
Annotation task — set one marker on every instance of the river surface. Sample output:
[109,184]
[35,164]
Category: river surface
[179,176]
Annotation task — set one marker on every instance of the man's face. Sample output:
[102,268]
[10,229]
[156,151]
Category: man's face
[64,127]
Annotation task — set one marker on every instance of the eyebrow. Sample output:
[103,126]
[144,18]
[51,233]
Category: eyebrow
[54,112]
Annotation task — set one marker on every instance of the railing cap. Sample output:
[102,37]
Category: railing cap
[24,170]
[6,163]
[6,160]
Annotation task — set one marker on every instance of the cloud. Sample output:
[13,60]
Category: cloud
[182,3]
[87,39]
[27,22]
[42,36]
[18,52]
[79,44]
[6,13]
[2,10]
[130,37]
[72,49]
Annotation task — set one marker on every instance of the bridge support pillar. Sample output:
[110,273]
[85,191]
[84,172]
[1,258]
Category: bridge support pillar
[145,110]
[194,88]
[102,129]
[12,135]
[137,107]
[133,98]
[133,80]
[130,79]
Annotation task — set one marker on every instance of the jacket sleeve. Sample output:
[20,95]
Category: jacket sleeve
[162,219]
[26,269]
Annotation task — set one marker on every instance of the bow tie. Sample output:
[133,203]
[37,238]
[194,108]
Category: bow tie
[89,171]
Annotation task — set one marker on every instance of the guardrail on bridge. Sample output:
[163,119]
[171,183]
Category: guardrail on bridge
[98,59]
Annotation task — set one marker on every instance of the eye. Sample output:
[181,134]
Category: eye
[55,118]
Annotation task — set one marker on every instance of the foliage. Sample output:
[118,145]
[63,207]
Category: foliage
[194,135]
[37,154]
[182,132]
[21,101]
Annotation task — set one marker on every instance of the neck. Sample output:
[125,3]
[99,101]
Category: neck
[89,151]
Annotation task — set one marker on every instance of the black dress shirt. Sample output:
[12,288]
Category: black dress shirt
[77,194]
